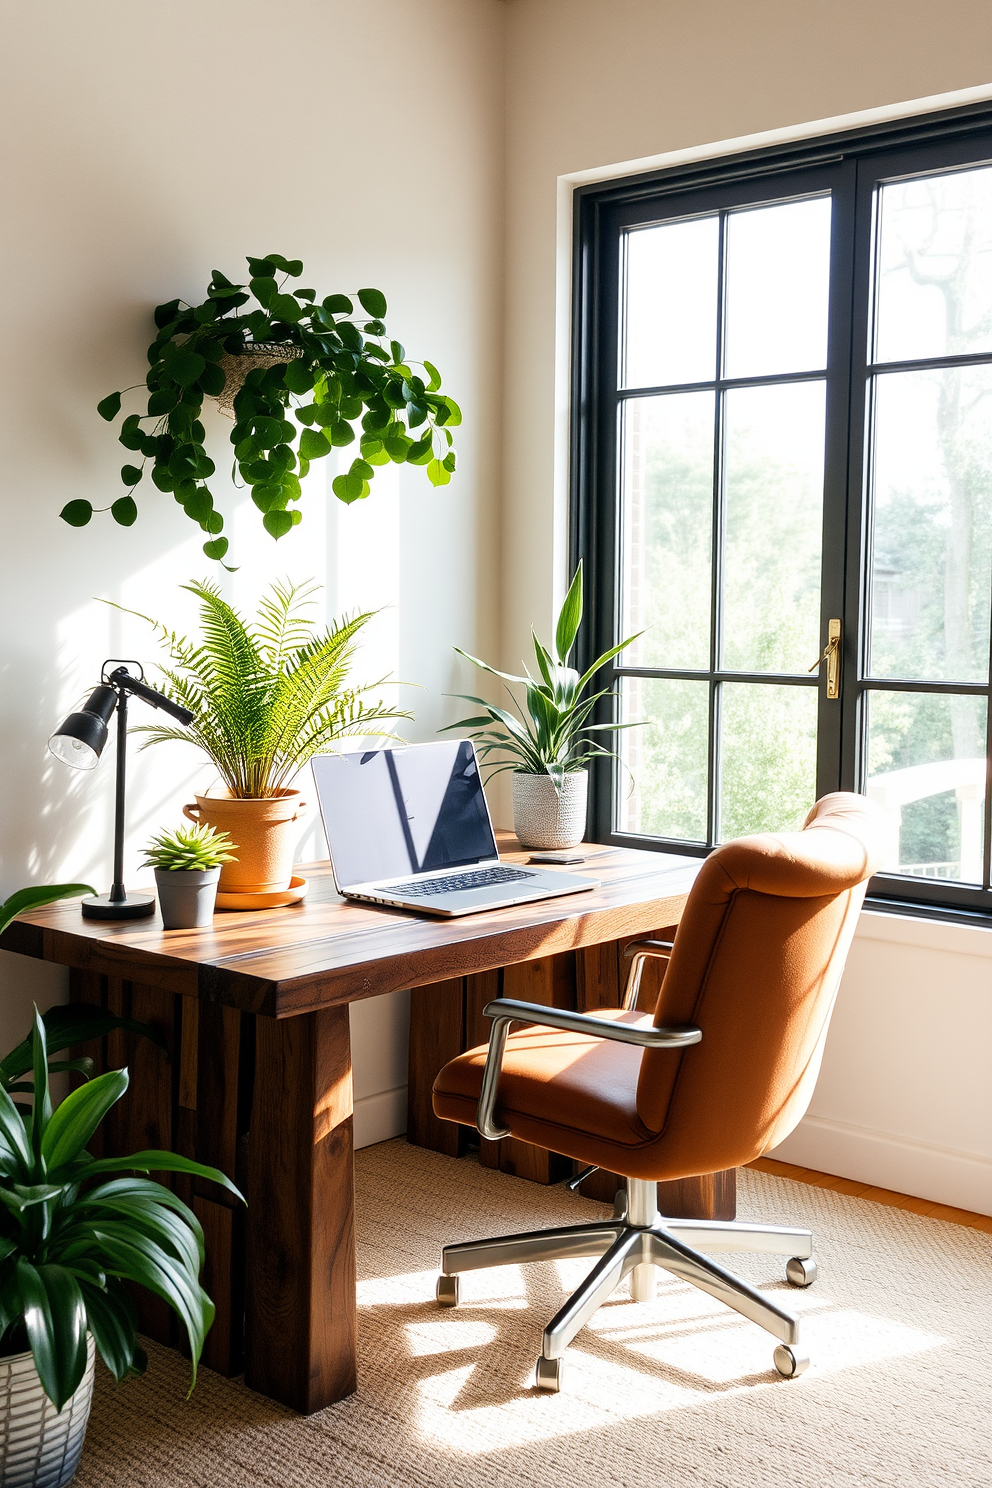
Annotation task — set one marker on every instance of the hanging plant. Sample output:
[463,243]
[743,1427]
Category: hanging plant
[336,372]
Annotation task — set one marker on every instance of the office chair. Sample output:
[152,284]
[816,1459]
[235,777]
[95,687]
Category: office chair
[721,1072]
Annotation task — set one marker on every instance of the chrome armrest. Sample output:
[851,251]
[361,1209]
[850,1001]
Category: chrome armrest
[637,953]
[504,1011]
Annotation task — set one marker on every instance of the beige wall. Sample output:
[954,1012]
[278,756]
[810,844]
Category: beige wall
[903,1098]
[141,145]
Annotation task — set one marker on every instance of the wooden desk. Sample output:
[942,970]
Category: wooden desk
[255,1011]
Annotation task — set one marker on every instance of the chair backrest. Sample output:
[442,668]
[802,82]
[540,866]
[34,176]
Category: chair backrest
[757,961]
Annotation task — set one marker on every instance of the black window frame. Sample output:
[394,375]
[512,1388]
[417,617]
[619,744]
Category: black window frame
[849,164]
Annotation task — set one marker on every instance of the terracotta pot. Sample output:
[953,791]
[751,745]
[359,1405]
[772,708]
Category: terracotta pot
[265,833]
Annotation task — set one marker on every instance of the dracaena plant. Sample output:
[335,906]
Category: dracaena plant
[326,362]
[73,1233]
[69,1023]
[24,899]
[551,732]
[266,695]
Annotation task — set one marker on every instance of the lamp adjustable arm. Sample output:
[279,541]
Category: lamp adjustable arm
[123,680]
[505,1010]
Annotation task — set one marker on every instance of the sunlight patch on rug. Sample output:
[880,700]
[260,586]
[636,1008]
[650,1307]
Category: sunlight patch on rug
[634,1360]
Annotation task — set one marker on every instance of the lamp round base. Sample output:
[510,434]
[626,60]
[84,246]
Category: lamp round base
[101,907]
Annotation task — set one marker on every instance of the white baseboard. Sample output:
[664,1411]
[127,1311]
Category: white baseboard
[940,1174]
[379,1117]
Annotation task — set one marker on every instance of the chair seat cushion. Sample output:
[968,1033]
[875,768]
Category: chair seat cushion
[557,1089]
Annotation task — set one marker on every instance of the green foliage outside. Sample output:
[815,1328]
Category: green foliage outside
[336,368]
[771,615]
[931,563]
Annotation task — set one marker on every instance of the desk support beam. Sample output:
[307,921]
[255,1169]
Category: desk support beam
[301,1317]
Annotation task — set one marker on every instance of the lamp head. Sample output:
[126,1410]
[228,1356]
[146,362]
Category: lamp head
[81,738]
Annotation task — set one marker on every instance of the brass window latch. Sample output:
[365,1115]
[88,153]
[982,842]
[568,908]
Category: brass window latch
[831,655]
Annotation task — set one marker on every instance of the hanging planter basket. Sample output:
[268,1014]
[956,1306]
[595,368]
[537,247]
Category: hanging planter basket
[237,365]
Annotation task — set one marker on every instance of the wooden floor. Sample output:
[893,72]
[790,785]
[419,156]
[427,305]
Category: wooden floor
[857,1190]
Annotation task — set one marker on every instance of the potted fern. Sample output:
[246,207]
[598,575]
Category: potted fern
[74,1230]
[187,864]
[266,696]
[548,740]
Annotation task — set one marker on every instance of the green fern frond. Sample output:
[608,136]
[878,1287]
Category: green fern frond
[265,695]
[281,629]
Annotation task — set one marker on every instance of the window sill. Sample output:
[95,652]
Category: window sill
[939,930]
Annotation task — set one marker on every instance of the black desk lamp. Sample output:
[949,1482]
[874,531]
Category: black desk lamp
[80,742]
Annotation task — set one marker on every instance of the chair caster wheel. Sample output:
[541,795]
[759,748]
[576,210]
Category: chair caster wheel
[790,1360]
[448,1291]
[547,1375]
[800,1273]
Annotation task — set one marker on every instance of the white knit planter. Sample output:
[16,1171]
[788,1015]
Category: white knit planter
[40,1448]
[542,817]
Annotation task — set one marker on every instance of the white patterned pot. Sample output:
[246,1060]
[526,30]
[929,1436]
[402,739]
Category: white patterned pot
[542,817]
[39,1447]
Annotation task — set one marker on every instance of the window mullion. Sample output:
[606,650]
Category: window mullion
[717,547]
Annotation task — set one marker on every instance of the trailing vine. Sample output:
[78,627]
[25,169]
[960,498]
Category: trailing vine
[335,371]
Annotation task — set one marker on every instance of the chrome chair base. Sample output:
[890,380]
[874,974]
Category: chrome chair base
[636,1243]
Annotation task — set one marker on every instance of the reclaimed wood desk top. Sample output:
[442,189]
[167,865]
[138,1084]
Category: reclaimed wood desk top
[327,950]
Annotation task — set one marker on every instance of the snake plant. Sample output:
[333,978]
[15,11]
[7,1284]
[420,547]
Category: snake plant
[72,1233]
[265,695]
[550,733]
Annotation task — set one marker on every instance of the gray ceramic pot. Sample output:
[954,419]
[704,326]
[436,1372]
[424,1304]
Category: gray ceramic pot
[186,896]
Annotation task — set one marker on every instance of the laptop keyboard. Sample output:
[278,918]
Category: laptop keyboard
[452,883]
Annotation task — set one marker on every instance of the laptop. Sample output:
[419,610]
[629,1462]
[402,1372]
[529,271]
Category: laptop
[410,828]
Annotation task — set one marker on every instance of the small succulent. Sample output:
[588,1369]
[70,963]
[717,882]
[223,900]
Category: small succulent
[197,846]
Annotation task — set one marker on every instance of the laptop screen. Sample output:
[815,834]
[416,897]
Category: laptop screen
[391,812]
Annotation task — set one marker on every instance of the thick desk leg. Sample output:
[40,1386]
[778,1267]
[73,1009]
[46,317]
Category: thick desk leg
[436,1035]
[300,1320]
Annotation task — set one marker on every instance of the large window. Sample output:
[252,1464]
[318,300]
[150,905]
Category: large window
[783,482]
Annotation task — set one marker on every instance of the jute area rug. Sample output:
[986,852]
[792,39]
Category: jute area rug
[677,1391]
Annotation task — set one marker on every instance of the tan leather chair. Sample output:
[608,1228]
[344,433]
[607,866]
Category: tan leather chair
[721,1072]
